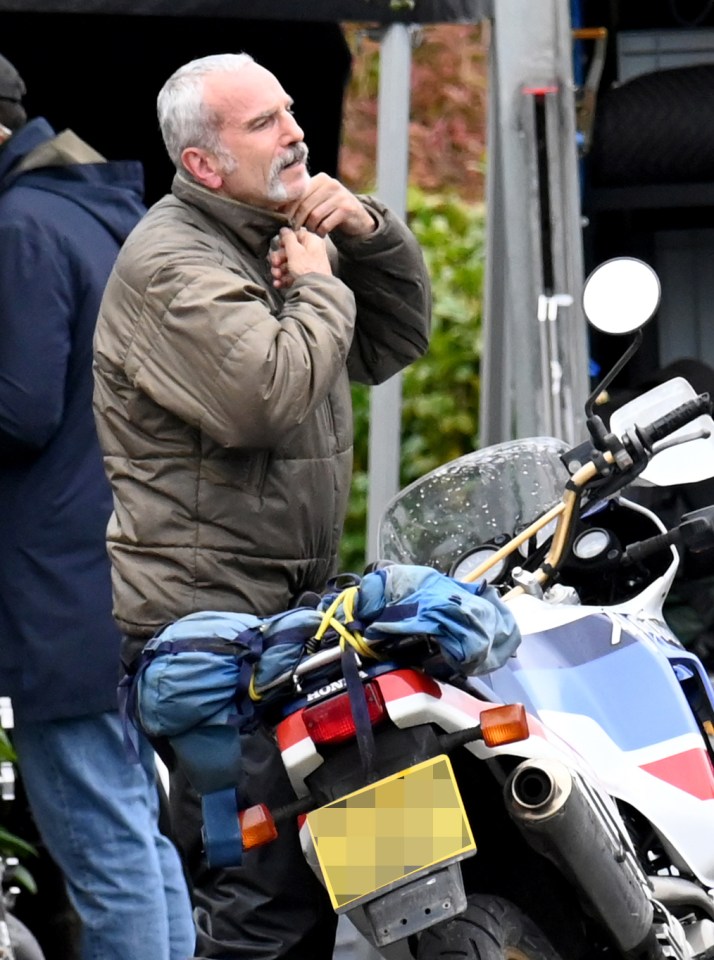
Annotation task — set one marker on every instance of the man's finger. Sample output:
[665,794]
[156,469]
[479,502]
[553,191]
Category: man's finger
[290,241]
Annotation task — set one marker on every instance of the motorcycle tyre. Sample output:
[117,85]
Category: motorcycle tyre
[490,928]
[24,944]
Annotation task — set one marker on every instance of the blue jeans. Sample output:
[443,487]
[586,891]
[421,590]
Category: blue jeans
[97,814]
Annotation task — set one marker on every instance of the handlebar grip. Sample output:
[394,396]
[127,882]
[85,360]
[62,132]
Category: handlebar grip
[679,417]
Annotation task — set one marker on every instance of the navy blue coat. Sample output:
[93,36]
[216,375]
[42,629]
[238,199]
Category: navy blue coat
[60,230]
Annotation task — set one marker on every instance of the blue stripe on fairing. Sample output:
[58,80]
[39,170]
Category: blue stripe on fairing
[628,688]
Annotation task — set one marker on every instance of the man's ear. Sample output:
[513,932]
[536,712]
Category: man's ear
[203,167]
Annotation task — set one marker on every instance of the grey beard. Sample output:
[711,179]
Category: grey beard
[276,189]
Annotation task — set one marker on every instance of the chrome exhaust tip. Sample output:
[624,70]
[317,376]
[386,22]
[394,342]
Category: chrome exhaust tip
[563,818]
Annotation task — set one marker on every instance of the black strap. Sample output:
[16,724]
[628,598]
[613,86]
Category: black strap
[360,714]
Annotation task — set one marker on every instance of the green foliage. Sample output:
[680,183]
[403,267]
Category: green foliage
[440,392]
[7,751]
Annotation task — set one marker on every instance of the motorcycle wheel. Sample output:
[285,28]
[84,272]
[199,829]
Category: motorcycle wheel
[489,929]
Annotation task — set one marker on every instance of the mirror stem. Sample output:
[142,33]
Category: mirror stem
[609,377]
[601,435]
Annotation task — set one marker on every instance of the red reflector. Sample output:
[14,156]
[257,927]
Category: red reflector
[541,91]
[332,722]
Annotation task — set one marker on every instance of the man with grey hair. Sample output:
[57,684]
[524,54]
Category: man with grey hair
[237,313]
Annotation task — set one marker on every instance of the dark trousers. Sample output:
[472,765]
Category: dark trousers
[270,907]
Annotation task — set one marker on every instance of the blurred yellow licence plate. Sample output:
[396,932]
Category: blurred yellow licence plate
[389,830]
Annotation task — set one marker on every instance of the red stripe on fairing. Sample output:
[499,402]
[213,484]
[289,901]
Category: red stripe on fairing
[405,683]
[690,771]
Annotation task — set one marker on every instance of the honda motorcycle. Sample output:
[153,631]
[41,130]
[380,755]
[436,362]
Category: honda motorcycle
[556,803]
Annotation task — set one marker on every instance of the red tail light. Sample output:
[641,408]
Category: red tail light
[332,722]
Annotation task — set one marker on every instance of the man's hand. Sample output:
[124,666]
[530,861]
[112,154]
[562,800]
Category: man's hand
[327,205]
[298,252]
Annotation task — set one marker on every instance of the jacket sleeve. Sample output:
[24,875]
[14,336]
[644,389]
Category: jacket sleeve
[388,276]
[35,309]
[211,348]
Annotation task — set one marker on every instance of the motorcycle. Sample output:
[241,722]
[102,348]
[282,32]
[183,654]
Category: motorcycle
[555,803]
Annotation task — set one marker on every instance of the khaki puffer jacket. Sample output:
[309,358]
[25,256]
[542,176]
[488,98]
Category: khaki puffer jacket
[223,405]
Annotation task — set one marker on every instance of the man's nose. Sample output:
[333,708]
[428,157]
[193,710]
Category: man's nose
[292,130]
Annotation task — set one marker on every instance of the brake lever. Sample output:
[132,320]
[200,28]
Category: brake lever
[700,434]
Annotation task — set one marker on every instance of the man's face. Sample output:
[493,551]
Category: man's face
[260,133]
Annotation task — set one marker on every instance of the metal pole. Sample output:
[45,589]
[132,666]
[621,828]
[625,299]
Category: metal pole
[534,371]
[392,179]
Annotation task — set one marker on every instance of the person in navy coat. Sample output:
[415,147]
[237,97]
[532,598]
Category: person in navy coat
[64,213]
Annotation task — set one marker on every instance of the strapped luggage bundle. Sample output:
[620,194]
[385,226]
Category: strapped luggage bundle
[207,678]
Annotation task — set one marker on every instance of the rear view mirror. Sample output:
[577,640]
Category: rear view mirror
[621,295]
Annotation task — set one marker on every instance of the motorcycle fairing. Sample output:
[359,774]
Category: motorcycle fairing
[609,686]
[603,671]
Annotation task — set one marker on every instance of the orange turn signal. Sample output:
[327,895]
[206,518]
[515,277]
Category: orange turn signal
[506,724]
[257,826]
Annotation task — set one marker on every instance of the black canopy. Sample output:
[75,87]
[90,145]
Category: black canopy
[381,11]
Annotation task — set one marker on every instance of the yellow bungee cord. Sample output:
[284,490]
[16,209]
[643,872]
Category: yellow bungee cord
[346,599]
[354,639]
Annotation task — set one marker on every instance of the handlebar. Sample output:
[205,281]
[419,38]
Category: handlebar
[639,442]
[679,417]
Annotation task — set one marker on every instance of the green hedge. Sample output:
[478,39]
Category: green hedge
[441,391]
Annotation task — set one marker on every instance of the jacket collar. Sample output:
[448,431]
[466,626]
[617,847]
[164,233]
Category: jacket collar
[27,138]
[65,149]
[36,146]
[255,226]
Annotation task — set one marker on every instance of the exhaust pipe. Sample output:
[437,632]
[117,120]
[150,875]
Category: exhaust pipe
[565,821]
[677,893]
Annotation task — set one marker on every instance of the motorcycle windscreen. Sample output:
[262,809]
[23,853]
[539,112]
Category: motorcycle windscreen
[474,500]
[392,829]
